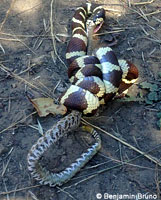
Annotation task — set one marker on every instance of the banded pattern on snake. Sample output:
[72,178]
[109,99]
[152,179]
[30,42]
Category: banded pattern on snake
[95,79]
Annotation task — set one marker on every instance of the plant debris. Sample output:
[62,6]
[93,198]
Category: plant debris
[45,106]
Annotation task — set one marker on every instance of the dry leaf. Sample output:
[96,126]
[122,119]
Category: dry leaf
[45,106]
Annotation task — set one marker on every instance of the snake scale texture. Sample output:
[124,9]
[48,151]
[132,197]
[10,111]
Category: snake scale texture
[95,80]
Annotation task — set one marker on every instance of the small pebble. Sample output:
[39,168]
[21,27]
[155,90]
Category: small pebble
[13,85]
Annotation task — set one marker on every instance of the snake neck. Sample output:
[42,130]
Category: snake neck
[93,43]
[92,40]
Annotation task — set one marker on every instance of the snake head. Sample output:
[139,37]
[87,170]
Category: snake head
[98,19]
[95,22]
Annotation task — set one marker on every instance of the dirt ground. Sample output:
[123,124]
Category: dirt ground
[28,62]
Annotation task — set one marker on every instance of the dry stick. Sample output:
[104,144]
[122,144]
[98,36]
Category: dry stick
[158,20]
[10,39]
[15,123]
[116,161]
[7,13]
[56,86]
[121,163]
[5,167]
[154,40]
[14,193]
[89,176]
[113,10]
[129,3]
[11,5]
[52,28]
[157,182]
[24,44]
[142,3]
[15,39]
[107,32]
[30,187]
[143,15]
[95,174]
[153,159]
[18,190]
[9,104]
[152,13]
[65,192]
[146,33]
[52,33]
[23,80]
[2,49]
[31,36]
[29,67]
[9,34]
[140,14]
[104,170]
[33,196]
[44,86]
[154,29]
[6,189]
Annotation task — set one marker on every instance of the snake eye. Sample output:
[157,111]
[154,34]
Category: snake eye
[99,16]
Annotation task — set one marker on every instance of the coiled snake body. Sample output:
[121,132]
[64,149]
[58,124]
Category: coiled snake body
[95,79]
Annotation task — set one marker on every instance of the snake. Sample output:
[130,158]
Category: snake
[96,78]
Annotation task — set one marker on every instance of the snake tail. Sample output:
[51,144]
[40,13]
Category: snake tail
[44,176]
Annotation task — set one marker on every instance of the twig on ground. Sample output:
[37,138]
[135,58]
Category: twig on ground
[107,32]
[150,14]
[10,39]
[151,158]
[66,192]
[20,189]
[143,3]
[153,39]
[4,68]
[116,161]
[6,189]
[7,13]
[23,44]
[146,33]
[46,88]
[89,176]
[14,193]
[33,195]
[157,181]
[9,104]
[158,20]
[52,33]
[15,123]
[5,167]
[56,86]
[15,39]
[142,14]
